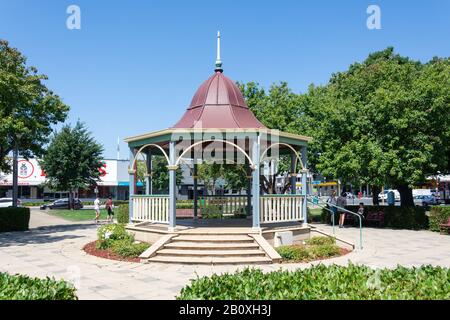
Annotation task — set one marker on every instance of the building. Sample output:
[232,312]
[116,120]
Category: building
[113,181]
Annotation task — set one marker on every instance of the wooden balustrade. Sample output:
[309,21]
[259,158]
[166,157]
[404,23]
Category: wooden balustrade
[154,208]
[281,208]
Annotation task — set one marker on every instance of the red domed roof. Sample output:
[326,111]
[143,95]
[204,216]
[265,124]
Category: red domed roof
[218,103]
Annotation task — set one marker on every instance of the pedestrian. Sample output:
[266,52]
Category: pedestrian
[361,209]
[332,203]
[97,209]
[109,206]
[341,203]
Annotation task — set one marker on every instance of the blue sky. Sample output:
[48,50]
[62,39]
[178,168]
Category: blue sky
[134,65]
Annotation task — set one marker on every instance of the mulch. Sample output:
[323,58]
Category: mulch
[106,253]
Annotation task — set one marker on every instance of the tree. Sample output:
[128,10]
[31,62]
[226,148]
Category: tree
[160,173]
[72,160]
[386,121]
[209,173]
[27,107]
[280,109]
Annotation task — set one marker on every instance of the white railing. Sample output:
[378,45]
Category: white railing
[152,208]
[281,208]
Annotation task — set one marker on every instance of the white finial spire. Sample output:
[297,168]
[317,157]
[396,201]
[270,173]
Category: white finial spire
[218,61]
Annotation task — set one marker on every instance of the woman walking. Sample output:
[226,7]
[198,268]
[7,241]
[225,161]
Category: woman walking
[341,203]
[332,204]
[109,205]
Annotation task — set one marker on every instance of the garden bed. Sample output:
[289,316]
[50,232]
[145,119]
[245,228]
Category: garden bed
[314,249]
[91,248]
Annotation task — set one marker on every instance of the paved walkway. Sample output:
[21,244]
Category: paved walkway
[53,248]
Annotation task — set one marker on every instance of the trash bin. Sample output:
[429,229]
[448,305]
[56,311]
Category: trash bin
[391,198]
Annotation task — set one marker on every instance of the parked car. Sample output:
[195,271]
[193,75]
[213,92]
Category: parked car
[429,200]
[8,202]
[62,204]
[349,195]
[383,195]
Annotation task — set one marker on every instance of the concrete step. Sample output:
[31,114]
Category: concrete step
[187,245]
[213,238]
[210,260]
[211,253]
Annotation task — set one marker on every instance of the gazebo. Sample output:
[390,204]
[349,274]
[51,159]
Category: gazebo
[217,126]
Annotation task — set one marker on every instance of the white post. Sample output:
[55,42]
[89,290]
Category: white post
[255,182]
[172,187]
[304,156]
[131,172]
[148,177]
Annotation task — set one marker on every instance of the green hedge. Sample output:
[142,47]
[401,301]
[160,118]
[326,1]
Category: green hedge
[438,215]
[395,217]
[20,287]
[14,219]
[116,238]
[352,282]
[123,213]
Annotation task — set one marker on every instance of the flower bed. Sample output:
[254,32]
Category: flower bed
[316,248]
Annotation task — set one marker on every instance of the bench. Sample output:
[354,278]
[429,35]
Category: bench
[445,226]
[377,217]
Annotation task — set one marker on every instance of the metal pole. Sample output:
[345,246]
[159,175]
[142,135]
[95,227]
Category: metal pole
[15,173]
[195,191]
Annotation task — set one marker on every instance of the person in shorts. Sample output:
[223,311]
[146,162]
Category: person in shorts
[109,206]
[97,209]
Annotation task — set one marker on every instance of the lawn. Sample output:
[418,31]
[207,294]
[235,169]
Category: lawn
[77,215]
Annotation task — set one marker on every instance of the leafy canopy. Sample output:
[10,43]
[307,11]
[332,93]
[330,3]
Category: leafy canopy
[27,107]
[73,159]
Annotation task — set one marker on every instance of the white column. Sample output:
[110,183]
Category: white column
[305,190]
[131,172]
[255,182]
[148,178]
[172,187]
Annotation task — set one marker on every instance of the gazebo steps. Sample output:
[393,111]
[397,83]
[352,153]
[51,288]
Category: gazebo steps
[211,249]
[211,253]
[218,238]
[211,260]
[186,245]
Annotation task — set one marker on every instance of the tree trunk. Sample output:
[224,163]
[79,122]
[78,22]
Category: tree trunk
[406,195]
[70,204]
[375,192]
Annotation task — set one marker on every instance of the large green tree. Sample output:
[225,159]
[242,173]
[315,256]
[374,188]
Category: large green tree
[387,121]
[73,160]
[160,173]
[27,107]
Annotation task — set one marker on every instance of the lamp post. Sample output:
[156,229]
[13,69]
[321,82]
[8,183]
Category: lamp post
[15,169]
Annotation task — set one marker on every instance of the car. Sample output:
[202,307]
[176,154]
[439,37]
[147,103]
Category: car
[8,202]
[349,195]
[428,200]
[384,195]
[62,204]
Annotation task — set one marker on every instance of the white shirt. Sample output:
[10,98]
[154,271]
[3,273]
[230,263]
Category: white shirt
[97,204]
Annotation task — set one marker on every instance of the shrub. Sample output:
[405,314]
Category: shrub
[109,233]
[20,287]
[211,212]
[314,241]
[123,213]
[126,248]
[438,215]
[324,251]
[294,253]
[14,219]
[321,282]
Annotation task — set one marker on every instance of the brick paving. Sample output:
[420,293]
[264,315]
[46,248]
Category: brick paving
[53,247]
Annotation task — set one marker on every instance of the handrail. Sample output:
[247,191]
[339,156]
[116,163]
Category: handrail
[345,210]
